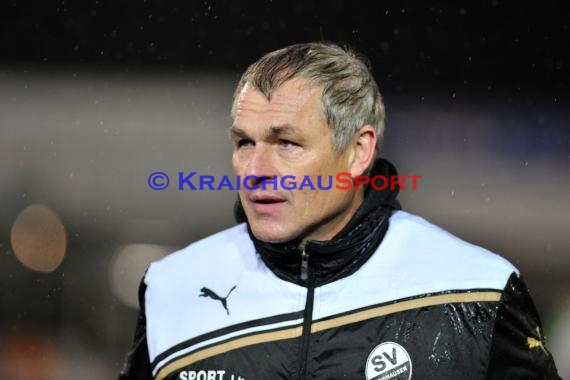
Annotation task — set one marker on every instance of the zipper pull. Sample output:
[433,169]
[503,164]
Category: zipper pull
[304,265]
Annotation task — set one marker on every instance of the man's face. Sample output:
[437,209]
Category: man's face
[288,135]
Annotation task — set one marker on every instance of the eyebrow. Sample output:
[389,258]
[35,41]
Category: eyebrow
[285,129]
[274,130]
[237,132]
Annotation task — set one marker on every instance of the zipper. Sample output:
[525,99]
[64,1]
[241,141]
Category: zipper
[304,265]
[306,275]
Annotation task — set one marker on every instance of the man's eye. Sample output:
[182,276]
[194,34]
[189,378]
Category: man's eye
[287,143]
[244,142]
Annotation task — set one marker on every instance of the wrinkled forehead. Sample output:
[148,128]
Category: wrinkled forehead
[294,104]
[291,95]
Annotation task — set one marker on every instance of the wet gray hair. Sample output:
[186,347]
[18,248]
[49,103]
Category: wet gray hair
[350,96]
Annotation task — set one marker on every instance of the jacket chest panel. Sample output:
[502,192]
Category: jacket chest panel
[445,341]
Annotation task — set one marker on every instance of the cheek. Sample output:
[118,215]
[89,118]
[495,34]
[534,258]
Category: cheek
[236,164]
[316,202]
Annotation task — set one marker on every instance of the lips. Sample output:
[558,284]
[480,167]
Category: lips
[266,199]
[266,203]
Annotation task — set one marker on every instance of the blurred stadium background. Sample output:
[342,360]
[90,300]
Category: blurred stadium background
[95,97]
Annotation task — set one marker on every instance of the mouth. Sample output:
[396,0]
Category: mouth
[266,203]
[266,198]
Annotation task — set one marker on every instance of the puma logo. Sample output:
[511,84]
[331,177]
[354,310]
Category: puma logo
[536,343]
[224,300]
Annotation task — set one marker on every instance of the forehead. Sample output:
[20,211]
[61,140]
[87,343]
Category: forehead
[293,101]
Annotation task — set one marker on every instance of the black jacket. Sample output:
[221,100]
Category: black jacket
[390,297]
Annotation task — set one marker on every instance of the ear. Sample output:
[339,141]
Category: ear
[364,150]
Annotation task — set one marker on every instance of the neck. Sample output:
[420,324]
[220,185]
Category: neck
[342,220]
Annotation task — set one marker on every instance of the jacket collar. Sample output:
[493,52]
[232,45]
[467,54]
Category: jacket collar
[344,254]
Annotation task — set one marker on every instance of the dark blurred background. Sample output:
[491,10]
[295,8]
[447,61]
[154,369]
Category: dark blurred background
[96,95]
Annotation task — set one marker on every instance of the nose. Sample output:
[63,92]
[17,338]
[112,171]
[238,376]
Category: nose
[260,166]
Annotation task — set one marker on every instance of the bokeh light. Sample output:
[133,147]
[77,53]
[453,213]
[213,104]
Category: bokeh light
[559,339]
[128,267]
[28,353]
[38,238]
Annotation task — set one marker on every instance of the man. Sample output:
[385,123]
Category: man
[328,284]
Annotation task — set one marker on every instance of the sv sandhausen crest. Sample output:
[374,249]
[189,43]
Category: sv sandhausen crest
[388,361]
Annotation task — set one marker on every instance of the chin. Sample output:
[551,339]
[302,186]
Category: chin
[270,235]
